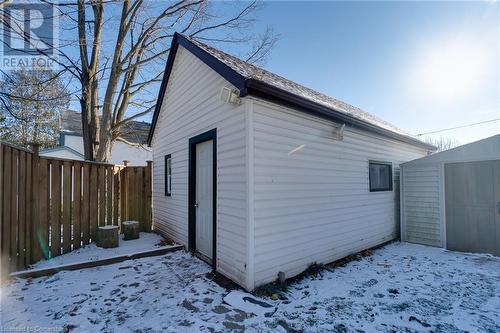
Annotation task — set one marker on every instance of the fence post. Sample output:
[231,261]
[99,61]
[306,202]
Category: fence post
[148,187]
[36,250]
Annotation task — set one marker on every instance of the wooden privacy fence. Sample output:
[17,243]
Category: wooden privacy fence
[52,206]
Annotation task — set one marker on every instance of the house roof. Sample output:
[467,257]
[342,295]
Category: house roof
[255,81]
[134,131]
[60,148]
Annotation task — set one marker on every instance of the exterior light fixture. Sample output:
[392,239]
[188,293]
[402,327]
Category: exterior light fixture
[229,95]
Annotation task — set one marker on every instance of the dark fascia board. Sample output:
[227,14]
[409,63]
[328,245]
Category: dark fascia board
[249,86]
[273,94]
[218,66]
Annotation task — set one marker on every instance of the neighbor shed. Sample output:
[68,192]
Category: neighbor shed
[257,175]
[452,199]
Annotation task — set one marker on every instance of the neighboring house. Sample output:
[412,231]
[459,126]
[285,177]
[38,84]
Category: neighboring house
[63,152]
[452,199]
[71,141]
[260,175]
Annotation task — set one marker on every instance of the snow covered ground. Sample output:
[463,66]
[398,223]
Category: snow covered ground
[90,252]
[400,288]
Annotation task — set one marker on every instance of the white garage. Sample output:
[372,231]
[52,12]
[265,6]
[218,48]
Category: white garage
[452,199]
[260,176]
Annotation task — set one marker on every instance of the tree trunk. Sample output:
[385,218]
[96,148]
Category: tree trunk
[105,145]
[90,88]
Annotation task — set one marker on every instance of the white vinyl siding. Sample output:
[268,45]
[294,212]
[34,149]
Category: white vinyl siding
[192,106]
[421,204]
[312,198]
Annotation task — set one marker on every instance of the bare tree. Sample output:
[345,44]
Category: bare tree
[31,101]
[442,143]
[122,48]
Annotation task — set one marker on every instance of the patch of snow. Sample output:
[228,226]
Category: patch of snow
[248,303]
[130,222]
[91,252]
[108,227]
[414,289]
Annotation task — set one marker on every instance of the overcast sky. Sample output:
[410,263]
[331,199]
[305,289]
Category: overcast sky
[422,66]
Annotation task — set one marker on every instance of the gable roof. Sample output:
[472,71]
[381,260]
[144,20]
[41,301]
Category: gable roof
[60,148]
[255,81]
[134,131]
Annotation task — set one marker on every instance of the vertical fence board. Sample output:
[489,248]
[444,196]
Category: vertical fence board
[66,216]
[116,196]
[109,195]
[13,209]
[55,213]
[36,219]
[140,191]
[124,186]
[21,206]
[3,269]
[77,198]
[131,194]
[102,195]
[139,204]
[41,231]
[29,206]
[85,223]
[6,183]
[93,201]
[134,195]
[149,196]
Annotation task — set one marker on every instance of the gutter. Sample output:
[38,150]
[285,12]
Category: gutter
[273,94]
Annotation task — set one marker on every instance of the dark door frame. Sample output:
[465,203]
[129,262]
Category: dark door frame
[210,135]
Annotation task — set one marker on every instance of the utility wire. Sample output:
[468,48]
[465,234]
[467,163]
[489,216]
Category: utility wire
[452,128]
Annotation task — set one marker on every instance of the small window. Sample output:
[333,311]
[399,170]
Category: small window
[168,175]
[380,176]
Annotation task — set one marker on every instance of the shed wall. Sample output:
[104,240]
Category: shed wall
[422,204]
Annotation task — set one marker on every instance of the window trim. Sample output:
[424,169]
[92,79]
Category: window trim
[168,191]
[389,164]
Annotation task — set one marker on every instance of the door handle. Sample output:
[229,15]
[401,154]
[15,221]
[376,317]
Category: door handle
[196,205]
[498,207]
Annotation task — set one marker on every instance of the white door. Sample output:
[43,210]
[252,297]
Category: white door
[204,198]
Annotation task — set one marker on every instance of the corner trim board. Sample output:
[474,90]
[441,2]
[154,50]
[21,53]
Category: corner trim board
[250,268]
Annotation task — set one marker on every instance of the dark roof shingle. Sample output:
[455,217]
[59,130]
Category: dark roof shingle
[253,80]
[249,70]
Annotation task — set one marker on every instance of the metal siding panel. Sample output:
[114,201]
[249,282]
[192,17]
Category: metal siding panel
[471,206]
